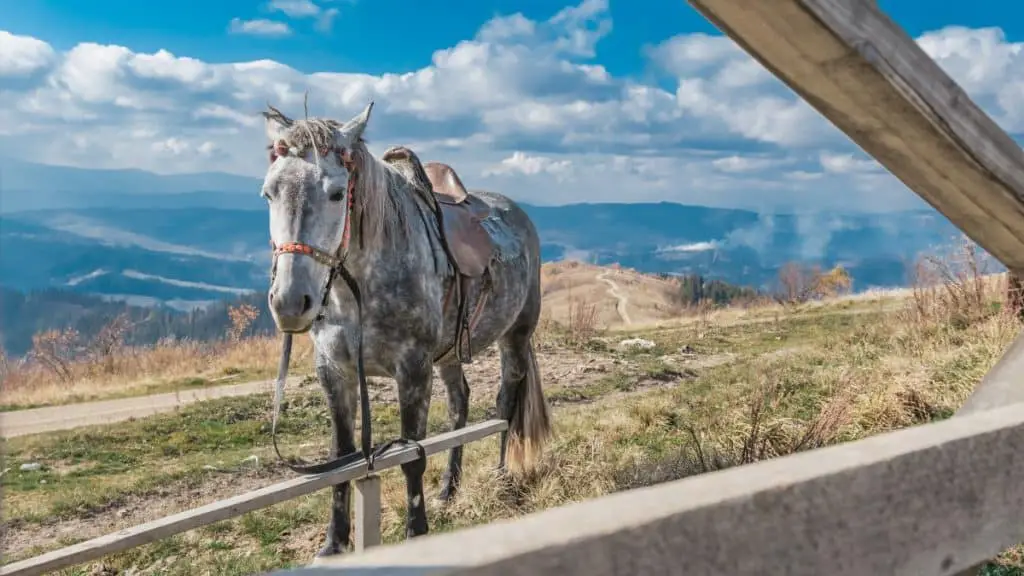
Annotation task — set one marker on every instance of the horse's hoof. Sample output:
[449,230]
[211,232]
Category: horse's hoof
[329,550]
[447,494]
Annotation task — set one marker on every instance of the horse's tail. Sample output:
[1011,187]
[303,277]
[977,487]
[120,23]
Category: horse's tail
[530,426]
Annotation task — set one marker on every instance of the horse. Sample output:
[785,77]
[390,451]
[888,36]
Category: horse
[417,251]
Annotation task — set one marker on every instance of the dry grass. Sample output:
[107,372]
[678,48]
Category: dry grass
[131,371]
[833,378]
[721,388]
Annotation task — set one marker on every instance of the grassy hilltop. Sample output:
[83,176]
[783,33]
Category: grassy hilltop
[715,386]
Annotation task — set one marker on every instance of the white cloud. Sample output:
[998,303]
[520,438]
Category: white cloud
[522,163]
[259,27]
[847,163]
[298,9]
[295,8]
[524,106]
[744,163]
[693,247]
[23,55]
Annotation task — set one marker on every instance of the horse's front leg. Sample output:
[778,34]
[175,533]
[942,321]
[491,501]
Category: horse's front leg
[342,397]
[413,376]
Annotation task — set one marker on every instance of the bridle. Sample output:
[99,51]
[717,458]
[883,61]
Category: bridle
[336,264]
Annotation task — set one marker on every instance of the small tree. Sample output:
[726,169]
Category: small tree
[799,284]
[796,283]
[833,283]
[242,317]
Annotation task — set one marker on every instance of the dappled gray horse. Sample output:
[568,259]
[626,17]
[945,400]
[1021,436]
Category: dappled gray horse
[435,273]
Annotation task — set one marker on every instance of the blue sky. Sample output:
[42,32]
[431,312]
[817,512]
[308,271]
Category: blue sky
[595,100]
[358,39]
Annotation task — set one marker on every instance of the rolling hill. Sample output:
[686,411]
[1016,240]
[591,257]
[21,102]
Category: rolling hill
[190,240]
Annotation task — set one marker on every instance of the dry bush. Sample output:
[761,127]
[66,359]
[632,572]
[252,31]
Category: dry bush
[763,436]
[241,317]
[106,348]
[833,283]
[796,283]
[1014,296]
[582,321]
[955,287]
[799,284]
[55,351]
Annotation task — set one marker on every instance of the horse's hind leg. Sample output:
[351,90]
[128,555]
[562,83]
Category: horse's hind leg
[341,402]
[458,412]
[414,377]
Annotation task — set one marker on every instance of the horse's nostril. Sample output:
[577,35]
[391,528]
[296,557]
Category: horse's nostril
[307,303]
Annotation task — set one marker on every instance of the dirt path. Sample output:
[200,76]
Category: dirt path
[51,418]
[620,299]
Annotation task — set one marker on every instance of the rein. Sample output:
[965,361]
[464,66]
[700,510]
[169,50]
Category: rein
[336,264]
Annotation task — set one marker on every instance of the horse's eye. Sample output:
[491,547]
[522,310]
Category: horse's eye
[336,196]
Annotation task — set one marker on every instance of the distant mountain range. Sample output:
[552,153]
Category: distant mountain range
[189,240]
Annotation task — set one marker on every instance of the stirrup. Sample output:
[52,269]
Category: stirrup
[466,358]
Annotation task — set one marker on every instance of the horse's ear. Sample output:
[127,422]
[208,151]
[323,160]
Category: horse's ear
[352,130]
[277,123]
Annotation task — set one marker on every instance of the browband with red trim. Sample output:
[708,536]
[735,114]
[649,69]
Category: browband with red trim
[321,256]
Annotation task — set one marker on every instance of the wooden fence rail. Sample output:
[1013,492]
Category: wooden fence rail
[931,500]
[367,525]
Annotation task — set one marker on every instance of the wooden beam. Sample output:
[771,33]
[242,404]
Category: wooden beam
[368,512]
[239,505]
[932,499]
[1002,384]
[868,77]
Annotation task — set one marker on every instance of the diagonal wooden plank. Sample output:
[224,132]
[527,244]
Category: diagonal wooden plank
[871,80]
[239,505]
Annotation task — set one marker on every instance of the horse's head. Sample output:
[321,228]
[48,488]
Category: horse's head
[308,187]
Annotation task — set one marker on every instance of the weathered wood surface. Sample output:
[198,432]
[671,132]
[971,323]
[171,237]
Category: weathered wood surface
[367,513]
[239,505]
[868,77]
[934,499]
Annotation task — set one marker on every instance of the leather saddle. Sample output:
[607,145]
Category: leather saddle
[460,216]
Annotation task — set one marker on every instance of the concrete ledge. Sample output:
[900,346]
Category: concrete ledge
[934,499]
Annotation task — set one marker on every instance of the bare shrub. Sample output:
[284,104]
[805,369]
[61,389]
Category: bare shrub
[107,345]
[954,287]
[55,351]
[242,317]
[796,283]
[763,437]
[582,321]
[1014,296]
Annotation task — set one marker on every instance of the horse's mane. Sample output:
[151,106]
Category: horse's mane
[383,216]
